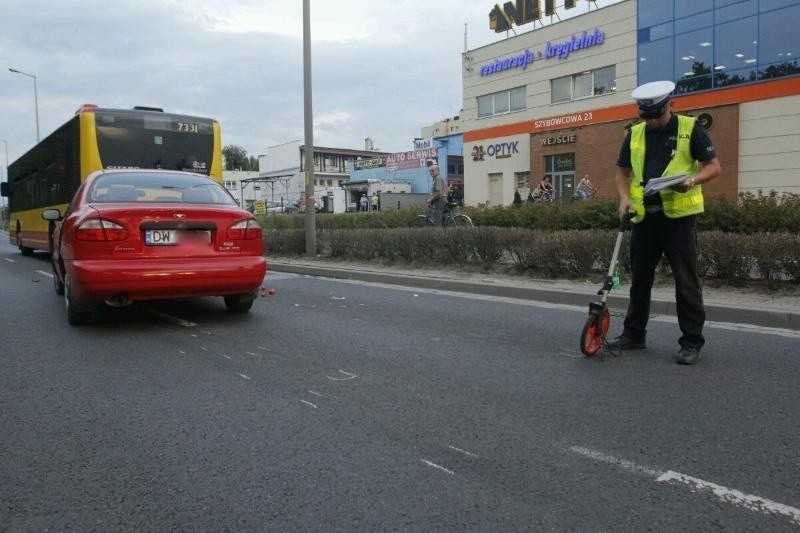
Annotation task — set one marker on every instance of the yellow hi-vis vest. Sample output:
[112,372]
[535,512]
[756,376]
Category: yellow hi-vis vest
[676,204]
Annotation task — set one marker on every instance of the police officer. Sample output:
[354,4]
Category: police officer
[664,144]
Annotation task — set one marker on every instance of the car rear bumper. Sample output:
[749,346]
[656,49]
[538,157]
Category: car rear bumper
[99,280]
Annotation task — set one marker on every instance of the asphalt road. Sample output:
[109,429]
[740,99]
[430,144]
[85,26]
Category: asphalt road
[350,406]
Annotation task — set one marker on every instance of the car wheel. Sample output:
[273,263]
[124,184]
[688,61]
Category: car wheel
[77,313]
[58,284]
[240,303]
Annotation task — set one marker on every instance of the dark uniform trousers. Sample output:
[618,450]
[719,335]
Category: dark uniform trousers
[676,238]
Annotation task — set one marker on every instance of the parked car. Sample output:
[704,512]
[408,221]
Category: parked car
[277,207]
[133,235]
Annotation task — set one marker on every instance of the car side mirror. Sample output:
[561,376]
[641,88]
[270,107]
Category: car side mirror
[51,214]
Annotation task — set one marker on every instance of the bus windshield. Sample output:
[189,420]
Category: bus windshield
[154,140]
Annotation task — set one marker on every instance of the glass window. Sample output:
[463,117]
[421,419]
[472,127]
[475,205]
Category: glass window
[605,80]
[652,12]
[775,4]
[734,51]
[661,31]
[684,8]
[518,98]
[696,22]
[743,8]
[501,103]
[485,106]
[561,89]
[583,86]
[655,61]
[694,54]
[779,43]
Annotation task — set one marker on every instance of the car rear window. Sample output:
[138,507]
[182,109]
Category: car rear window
[158,187]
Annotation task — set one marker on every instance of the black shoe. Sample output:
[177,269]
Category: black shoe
[626,343]
[688,356]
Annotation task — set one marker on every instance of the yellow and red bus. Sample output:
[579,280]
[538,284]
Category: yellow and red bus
[96,138]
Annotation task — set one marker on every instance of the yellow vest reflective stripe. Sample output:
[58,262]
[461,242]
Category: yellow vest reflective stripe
[676,204]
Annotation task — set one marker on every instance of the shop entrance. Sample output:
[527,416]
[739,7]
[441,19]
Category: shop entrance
[564,184]
[561,169]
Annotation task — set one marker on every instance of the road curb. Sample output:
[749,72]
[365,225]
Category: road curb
[578,297]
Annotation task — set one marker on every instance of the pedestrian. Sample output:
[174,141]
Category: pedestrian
[664,144]
[438,197]
[374,201]
[364,202]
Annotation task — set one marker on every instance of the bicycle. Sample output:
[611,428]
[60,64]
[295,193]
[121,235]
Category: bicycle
[451,217]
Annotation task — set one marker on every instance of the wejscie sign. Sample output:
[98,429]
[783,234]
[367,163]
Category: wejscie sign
[560,139]
[522,12]
[560,50]
[498,151]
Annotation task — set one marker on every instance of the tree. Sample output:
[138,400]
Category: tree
[235,158]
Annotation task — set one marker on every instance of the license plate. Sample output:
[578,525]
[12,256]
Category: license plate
[171,237]
[161,237]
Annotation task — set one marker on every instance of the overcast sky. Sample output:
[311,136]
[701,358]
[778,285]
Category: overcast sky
[381,68]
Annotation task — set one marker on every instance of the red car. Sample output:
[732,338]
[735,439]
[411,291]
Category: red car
[135,234]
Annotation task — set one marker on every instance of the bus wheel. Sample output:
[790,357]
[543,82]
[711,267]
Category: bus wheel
[24,250]
[77,314]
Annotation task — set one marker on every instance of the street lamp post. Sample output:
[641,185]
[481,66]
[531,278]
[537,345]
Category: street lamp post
[35,97]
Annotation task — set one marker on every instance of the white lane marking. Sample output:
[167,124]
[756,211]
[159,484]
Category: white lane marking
[173,319]
[243,376]
[338,297]
[434,465]
[348,375]
[570,354]
[308,403]
[725,494]
[43,273]
[181,352]
[566,307]
[226,356]
[465,452]
[9,260]
[315,393]
[623,463]
[733,496]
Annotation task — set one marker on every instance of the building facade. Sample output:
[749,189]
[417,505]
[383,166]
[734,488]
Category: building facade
[282,171]
[555,100]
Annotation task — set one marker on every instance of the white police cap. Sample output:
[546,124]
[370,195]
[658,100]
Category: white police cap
[653,95]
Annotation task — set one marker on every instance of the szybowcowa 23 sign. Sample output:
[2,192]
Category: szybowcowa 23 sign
[522,12]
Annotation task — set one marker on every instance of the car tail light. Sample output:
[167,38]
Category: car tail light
[245,230]
[99,229]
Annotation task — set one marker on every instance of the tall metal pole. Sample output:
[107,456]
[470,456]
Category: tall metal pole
[311,231]
[3,202]
[35,97]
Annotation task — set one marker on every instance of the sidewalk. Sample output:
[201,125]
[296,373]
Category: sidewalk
[744,306]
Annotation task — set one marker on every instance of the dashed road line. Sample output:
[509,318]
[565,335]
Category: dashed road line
[465,452]
[308,403]
[439,467]
[244,376]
